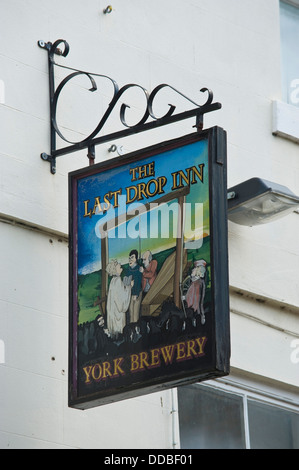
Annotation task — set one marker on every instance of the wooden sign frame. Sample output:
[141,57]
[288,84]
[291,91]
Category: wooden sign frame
[148,261]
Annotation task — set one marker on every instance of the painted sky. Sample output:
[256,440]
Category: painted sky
[141,233]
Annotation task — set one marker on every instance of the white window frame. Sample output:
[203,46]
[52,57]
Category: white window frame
[294,3]
[285,116]
[253,389]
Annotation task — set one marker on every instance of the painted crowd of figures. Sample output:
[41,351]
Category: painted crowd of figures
[124,324]
[125,295]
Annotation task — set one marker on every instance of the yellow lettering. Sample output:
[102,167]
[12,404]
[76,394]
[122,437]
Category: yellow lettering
[195,171]
[87,214]
[181,354]
[134,171]
[115,194]
[143,360]
[155,358]
[151,169]
[179,177]
[201,344]
[156,188]
[98,368]
[117,366]
[167,353]
[134,363]
[87,371]
[97,204]
[143,171]
[106,200]
[129,198]
[106,370]
[162,182]
[190,349]
[141,190]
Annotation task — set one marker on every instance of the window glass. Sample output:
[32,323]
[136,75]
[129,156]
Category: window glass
[210,419]
[289,52]
[271,427]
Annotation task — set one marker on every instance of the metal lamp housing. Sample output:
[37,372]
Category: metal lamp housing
[257,201]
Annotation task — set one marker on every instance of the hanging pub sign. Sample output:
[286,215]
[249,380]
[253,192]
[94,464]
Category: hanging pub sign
[149,302]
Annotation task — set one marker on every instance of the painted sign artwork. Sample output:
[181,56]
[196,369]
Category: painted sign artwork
[142,311]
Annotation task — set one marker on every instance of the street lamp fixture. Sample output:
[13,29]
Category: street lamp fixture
[257,201]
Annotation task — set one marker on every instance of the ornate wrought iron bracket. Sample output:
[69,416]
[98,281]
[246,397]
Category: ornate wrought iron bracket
[148,121]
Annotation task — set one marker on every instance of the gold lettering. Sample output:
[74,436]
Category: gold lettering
[141,190]
[117,366]
[195,171]
[155,358]
[97,204]
[106,200]
[87,214]
[115,194]
[144,171]
[143,360]
[87,371]
[201,344]
[156,185]
[134,171]
[129,198]
[151,169]
[168,353]
[181,354]
[134,363]
[106,370]
[189,177]
[190,349]
[100,371]
[162,182]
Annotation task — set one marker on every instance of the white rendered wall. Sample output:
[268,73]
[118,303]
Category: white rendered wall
[34,328]
[230,46]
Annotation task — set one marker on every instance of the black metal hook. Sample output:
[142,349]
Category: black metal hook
[108,10]
[93,138]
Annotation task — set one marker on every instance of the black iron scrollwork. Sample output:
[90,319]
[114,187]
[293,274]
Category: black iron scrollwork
[148,121]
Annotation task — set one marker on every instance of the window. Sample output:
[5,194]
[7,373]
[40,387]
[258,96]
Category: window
[217,417]
[286,113]
[210,419]
[289,25]
[271,427]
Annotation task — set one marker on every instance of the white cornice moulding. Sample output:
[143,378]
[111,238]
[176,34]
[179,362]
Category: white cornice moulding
[26,224]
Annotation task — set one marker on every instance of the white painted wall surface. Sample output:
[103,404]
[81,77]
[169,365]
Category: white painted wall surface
[229,46]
